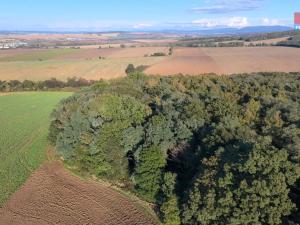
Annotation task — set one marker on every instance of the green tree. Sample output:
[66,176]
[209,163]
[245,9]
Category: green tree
[147,176]
[171,51]
[159,132]
[169,207]
[251,189]
[130,69]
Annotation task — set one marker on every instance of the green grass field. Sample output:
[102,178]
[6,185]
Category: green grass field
[24,123]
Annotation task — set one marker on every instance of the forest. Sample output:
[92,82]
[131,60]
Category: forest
[203,149]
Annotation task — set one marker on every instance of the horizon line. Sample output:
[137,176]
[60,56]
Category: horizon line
[66,30]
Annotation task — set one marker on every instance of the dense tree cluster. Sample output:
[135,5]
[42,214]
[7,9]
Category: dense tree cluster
[205,149]
[293,41]
[132,69]
[53,83]
[157,54]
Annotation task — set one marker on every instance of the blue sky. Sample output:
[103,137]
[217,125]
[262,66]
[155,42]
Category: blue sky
[102,15]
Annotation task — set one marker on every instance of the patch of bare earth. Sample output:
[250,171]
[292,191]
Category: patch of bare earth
[54,196]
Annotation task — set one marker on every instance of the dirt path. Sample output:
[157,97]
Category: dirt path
[52,196]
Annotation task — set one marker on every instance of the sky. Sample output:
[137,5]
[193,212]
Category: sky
[107,15]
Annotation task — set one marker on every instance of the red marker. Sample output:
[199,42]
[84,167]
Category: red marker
[297,18]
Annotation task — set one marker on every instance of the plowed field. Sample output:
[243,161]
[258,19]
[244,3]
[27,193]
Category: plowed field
[54,196]
[228,60]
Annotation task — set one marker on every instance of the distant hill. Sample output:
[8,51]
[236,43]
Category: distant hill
[191,31]
[232,31]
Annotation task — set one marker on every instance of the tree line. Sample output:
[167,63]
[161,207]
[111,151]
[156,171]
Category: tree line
[291,42]
[242,40]
[205,149]
[49,84]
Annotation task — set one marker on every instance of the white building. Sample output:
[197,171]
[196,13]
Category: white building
[7,44]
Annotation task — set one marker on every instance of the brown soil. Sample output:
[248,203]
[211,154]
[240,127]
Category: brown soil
[53,196]
[186,61]
[139,52]
[115,53]
[89,54]
[15,52]
[86,63]
[229,60]
[156,41]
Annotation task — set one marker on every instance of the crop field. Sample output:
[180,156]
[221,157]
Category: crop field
[108,63]
[64,63]
[229,60]
[34,55]
[24,119]
[51,190]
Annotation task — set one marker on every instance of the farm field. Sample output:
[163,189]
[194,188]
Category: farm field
[24,119]
[37,65]
[34,54]
[53,191]
[66,63]
[228,60]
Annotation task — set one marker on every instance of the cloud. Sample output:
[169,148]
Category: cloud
[222,22]
[271,22]
[228,6]
[142,25]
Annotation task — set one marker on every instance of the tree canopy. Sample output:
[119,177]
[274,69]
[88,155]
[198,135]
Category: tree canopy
[206,149]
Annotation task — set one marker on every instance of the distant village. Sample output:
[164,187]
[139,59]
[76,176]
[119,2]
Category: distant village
[11,43]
